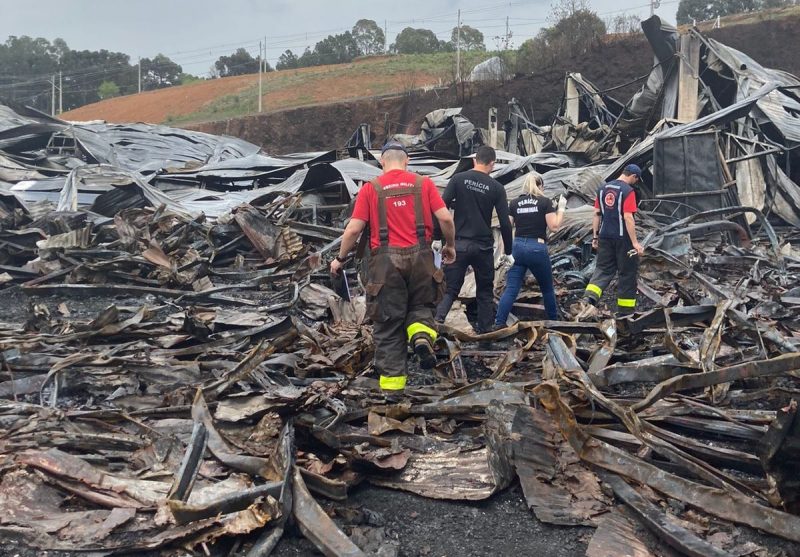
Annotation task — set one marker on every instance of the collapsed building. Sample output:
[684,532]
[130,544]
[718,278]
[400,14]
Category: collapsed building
[178,374]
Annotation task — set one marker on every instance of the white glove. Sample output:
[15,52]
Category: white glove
[562,203]
[436,245]
[506,260]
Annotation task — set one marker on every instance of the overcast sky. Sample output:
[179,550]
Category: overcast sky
[194,33]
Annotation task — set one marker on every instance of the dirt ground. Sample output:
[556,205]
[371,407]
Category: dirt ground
[156,106]
[425,527]
[289,88]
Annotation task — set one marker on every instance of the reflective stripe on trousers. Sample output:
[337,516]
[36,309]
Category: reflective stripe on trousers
[392,383]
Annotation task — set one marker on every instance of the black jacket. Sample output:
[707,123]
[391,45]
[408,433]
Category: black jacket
[473,196]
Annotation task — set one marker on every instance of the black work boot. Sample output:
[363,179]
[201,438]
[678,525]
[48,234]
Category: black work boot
[394,397]
[423,348]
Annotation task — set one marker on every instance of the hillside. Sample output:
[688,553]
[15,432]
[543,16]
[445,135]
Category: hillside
[316,108]
[237,96]
[620,60]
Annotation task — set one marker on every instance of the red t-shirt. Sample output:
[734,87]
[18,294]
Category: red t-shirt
[399,210]
[628,204]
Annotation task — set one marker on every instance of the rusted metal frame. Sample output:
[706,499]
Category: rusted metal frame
[192,459]
[728,457]
[600,358]
[316,525]
[754,155]
[615,535]
[333,489]
[515,355]
[90,290]
[672,345]
[249,364]
[715,501]
[763,368]
[50,276]
[683,194]
[643,370]
[709,345]
[684,315]
[232,502]
[224,248]
[284,459]
[731,415]
[733,211]
[316,231]
[648,514]
[710,227]
[714,427]
[638,428]
[786,345]
[253,465]
[454,364]
[737,260]
[651,293]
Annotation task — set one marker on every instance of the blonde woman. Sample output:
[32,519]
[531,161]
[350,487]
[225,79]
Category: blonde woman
[533,215]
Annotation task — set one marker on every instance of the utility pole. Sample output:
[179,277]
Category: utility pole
[507,37]
[260,65]
[140,74]
[60,94]
[385,36]
[458,48]
[53,96]
[654,4]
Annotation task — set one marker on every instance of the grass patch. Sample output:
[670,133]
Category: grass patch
[370,76]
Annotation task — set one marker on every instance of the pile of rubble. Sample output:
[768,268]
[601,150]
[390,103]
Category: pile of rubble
[177,374]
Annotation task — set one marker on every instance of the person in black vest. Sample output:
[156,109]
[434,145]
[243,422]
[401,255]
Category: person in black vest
[614,237]
[474,195]
[533,215]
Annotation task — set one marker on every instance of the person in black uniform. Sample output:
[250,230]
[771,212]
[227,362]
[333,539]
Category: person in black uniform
[474,195]
[533,216]
[614,237]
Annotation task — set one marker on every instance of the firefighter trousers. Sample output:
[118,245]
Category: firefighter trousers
[613,259]
[403,288]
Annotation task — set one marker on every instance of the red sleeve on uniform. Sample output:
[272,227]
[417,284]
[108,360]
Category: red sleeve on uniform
[434,199]
[361,208]
[629,205]
[596,202]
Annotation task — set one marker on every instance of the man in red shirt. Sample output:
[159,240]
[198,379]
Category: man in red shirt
[614,237]
[403,285]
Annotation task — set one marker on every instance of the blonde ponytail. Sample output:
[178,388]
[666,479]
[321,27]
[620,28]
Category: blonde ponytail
[533,184]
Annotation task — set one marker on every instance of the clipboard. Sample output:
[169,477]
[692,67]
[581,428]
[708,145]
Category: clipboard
[340,285]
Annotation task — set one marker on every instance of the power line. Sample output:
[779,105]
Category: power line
[205,55]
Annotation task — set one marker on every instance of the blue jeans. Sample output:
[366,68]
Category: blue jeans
[531,255]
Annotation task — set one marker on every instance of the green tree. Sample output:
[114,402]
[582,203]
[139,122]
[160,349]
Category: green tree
[287,61]
[160,72]
[107,90]
[624,24]
[308,58]
[187,78]
[578,31]
[767,4]
[336,49]
[240,62]
[704,10]
[416,41]
[369,37]
[471,38]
